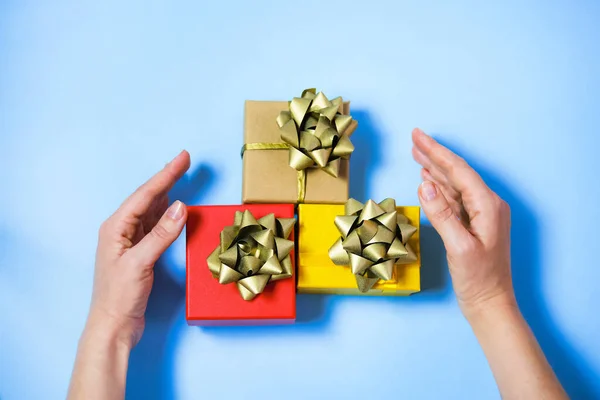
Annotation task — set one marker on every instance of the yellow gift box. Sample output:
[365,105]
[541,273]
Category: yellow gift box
[318,274]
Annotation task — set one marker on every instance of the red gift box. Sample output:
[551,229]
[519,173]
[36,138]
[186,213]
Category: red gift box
[209,303]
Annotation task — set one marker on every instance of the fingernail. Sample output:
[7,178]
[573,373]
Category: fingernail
[175,211]
[428,191]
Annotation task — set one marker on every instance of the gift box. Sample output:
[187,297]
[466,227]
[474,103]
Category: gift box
[267,174]
[317,273]
[209,302]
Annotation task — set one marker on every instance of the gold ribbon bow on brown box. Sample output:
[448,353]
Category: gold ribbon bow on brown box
[252,253]
[374,239]
[316,134]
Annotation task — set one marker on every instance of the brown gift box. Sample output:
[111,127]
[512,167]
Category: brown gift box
[267,175]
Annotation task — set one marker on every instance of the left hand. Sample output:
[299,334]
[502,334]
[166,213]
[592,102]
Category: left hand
[129,244]
[474,223]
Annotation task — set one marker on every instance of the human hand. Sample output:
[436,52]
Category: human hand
[474,224]
[129,244]
[473,221]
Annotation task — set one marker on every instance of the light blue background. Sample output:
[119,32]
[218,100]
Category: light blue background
[96,96]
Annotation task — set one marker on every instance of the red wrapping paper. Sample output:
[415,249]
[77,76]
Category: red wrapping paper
[208,303]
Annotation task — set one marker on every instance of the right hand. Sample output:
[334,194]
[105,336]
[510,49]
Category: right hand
[474,223]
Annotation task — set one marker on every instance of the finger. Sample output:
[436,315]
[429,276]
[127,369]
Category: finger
[442,217]
[434,172]
[156,211]
[451,196]
[458,173]
[164,233]
[422,159]
[436,177]
[140,201]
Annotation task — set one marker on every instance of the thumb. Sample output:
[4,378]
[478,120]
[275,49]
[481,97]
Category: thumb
[164,233]
[440,214]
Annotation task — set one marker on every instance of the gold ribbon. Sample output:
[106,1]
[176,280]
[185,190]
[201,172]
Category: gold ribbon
[301,190]
[374,239]
[316,134]
[252,253]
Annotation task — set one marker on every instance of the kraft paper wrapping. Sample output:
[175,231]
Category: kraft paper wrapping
[267,175]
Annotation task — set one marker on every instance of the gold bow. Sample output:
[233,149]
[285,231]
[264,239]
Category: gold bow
[318,134]
[252,253]
[374,239]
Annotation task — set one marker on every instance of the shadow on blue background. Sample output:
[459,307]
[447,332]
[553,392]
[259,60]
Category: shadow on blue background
[151,364]
[367,140]
[572,370]
[435,277]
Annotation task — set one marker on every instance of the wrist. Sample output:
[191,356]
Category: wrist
[107,331]
[102,359]
[493,307]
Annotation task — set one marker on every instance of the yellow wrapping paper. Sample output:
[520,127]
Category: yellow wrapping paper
[318,274]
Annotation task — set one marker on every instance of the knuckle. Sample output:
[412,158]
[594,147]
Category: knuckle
[453,165]
[505,208]
[171,175]
[497,202]
[500,207]
[160,232]
[104,228]
[444,214]
[464,248]
[459,161]
[448,166]
[145,192]
[454,195]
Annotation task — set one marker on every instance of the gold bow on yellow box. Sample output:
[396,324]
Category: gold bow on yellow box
[252,253]
[374,239]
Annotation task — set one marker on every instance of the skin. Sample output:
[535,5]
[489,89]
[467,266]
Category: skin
[129,243]
[473,222]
